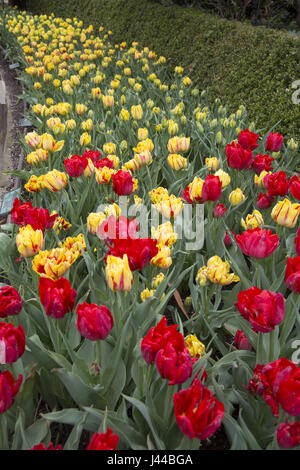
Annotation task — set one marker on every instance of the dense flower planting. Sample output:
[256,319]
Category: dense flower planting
[124,312]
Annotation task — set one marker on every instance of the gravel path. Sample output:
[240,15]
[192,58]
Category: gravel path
[15,109]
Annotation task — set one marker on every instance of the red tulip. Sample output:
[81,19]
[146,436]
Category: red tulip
[267,380]
[186,195]
[262,163]
[211,189]
[288,393]
[297,242]
[264,201]
[9,387]
[227,239]
[94,322]
[241,342]
[19,212]
[38,218]
[104,162]
[57,297]
[262,308]
[174,364]
[292,274]
[12,343]
[41,219]
[198,413]
[104,441]
[157,338]
[138,250]
[10,301]
[277,184]
[288,434]
[295,186]
[258,243]
[237,157]
[274,142]
[75,165]
[248,139]
[219,210]
[113,229]
[93,155]
[256,384]
[42,446]
[122,183]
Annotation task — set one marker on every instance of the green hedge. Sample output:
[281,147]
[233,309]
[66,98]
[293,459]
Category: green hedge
[238,63]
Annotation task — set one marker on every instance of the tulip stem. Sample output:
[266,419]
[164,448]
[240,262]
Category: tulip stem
[3,433]
[257,267]
[97,352]
[272,345]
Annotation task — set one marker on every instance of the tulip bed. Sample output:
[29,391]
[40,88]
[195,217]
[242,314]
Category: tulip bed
[111,321]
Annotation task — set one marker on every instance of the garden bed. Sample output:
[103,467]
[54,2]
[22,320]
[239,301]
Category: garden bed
[238,63]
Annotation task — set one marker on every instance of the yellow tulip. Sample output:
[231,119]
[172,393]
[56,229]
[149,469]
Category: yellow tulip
[118,274]
[29,241]
[224,177]
[163,258]
[212,163]
[103,175]
[177,162]
[164,234]
[195,347]
[54,263]
[236,196]
[48,143]
[170,206]
[286,213]
[109,148]
[94,220]
[253,220]
[54,180]
[137,112]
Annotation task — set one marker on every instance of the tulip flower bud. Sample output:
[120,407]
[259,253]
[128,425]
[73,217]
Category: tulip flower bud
[219,137]
[292,145]
[219,210]
[241,342]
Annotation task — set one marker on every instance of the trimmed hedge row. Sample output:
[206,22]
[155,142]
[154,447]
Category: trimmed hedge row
[237,62]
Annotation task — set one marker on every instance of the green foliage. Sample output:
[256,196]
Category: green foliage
[238,63]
